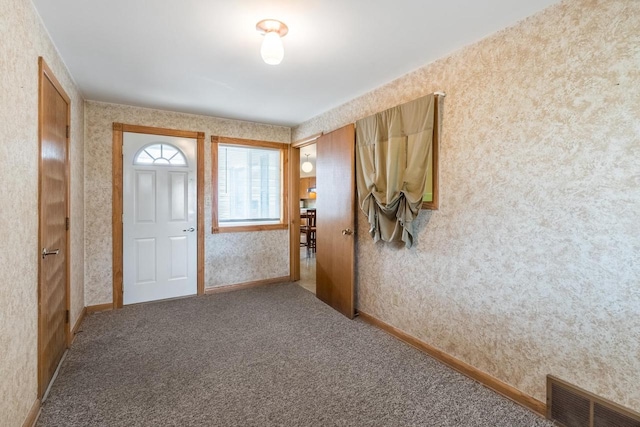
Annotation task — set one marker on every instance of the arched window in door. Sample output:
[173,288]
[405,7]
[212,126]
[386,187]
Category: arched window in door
[160,154]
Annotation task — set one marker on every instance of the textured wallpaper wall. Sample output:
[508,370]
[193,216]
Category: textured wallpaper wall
[229,258]
[531,265]
[23,40]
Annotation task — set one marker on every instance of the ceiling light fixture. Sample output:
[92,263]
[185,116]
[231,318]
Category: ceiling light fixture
[307,166]
[272,50]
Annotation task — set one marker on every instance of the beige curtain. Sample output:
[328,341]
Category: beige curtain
[392,150]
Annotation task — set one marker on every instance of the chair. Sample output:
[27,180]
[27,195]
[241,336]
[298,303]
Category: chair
[309,230]
[303,228]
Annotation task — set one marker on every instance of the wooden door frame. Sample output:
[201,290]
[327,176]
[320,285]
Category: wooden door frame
[117,200]
[44,72]
[294,205]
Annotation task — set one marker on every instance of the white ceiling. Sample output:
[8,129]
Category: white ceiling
[203,56]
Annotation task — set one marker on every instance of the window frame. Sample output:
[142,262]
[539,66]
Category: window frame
[434,204]
[284,185]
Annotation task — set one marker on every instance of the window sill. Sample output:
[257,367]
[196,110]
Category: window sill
[433,206]
[245,228]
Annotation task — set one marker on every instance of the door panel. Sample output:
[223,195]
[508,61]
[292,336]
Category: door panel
[179,259]
[145,261]
[335,253]
[159,219]
[178,196]
[145,196]
[53,210]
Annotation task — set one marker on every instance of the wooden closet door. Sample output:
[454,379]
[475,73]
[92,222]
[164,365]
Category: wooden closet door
[53,327]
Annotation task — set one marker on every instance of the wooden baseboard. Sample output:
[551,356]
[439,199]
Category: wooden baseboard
[32,416]
[99,307]
[483,378]
[247,285]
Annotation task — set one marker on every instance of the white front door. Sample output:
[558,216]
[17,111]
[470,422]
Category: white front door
[159,217]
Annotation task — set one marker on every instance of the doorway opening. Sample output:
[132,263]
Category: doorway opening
[165,149]
[159,221]
[308,217]
[334,256]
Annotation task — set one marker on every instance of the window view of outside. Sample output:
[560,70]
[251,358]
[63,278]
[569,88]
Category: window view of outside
[160,154]
[249,184]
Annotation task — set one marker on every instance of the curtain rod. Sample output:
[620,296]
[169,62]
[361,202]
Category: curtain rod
[439,93]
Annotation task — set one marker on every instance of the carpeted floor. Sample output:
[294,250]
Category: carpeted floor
[267,356]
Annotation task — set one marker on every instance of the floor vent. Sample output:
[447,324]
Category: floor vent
[570,406]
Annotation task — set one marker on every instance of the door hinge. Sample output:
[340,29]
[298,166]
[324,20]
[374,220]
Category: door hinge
[68,131]
[66,316]
[67,223]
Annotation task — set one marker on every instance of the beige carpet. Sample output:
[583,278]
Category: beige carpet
[269,356]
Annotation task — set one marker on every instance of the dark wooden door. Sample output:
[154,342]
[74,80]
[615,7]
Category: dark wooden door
[335,222]
[53,257]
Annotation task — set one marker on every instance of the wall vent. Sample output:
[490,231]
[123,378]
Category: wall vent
[570,406]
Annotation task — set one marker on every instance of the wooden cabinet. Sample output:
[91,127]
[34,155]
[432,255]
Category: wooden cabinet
[312,184]
[305,184]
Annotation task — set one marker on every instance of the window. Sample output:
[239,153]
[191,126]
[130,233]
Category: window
[248,184]
[160,154]
[430,199]
[248,180]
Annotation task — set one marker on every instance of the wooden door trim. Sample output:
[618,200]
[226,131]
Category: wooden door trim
[200,210]
[306,141]
[294,213]
[294,205]
[117,200]
[45,72]
[116,214]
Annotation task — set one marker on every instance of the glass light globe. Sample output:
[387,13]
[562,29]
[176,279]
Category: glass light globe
[307,166]
[272,50]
